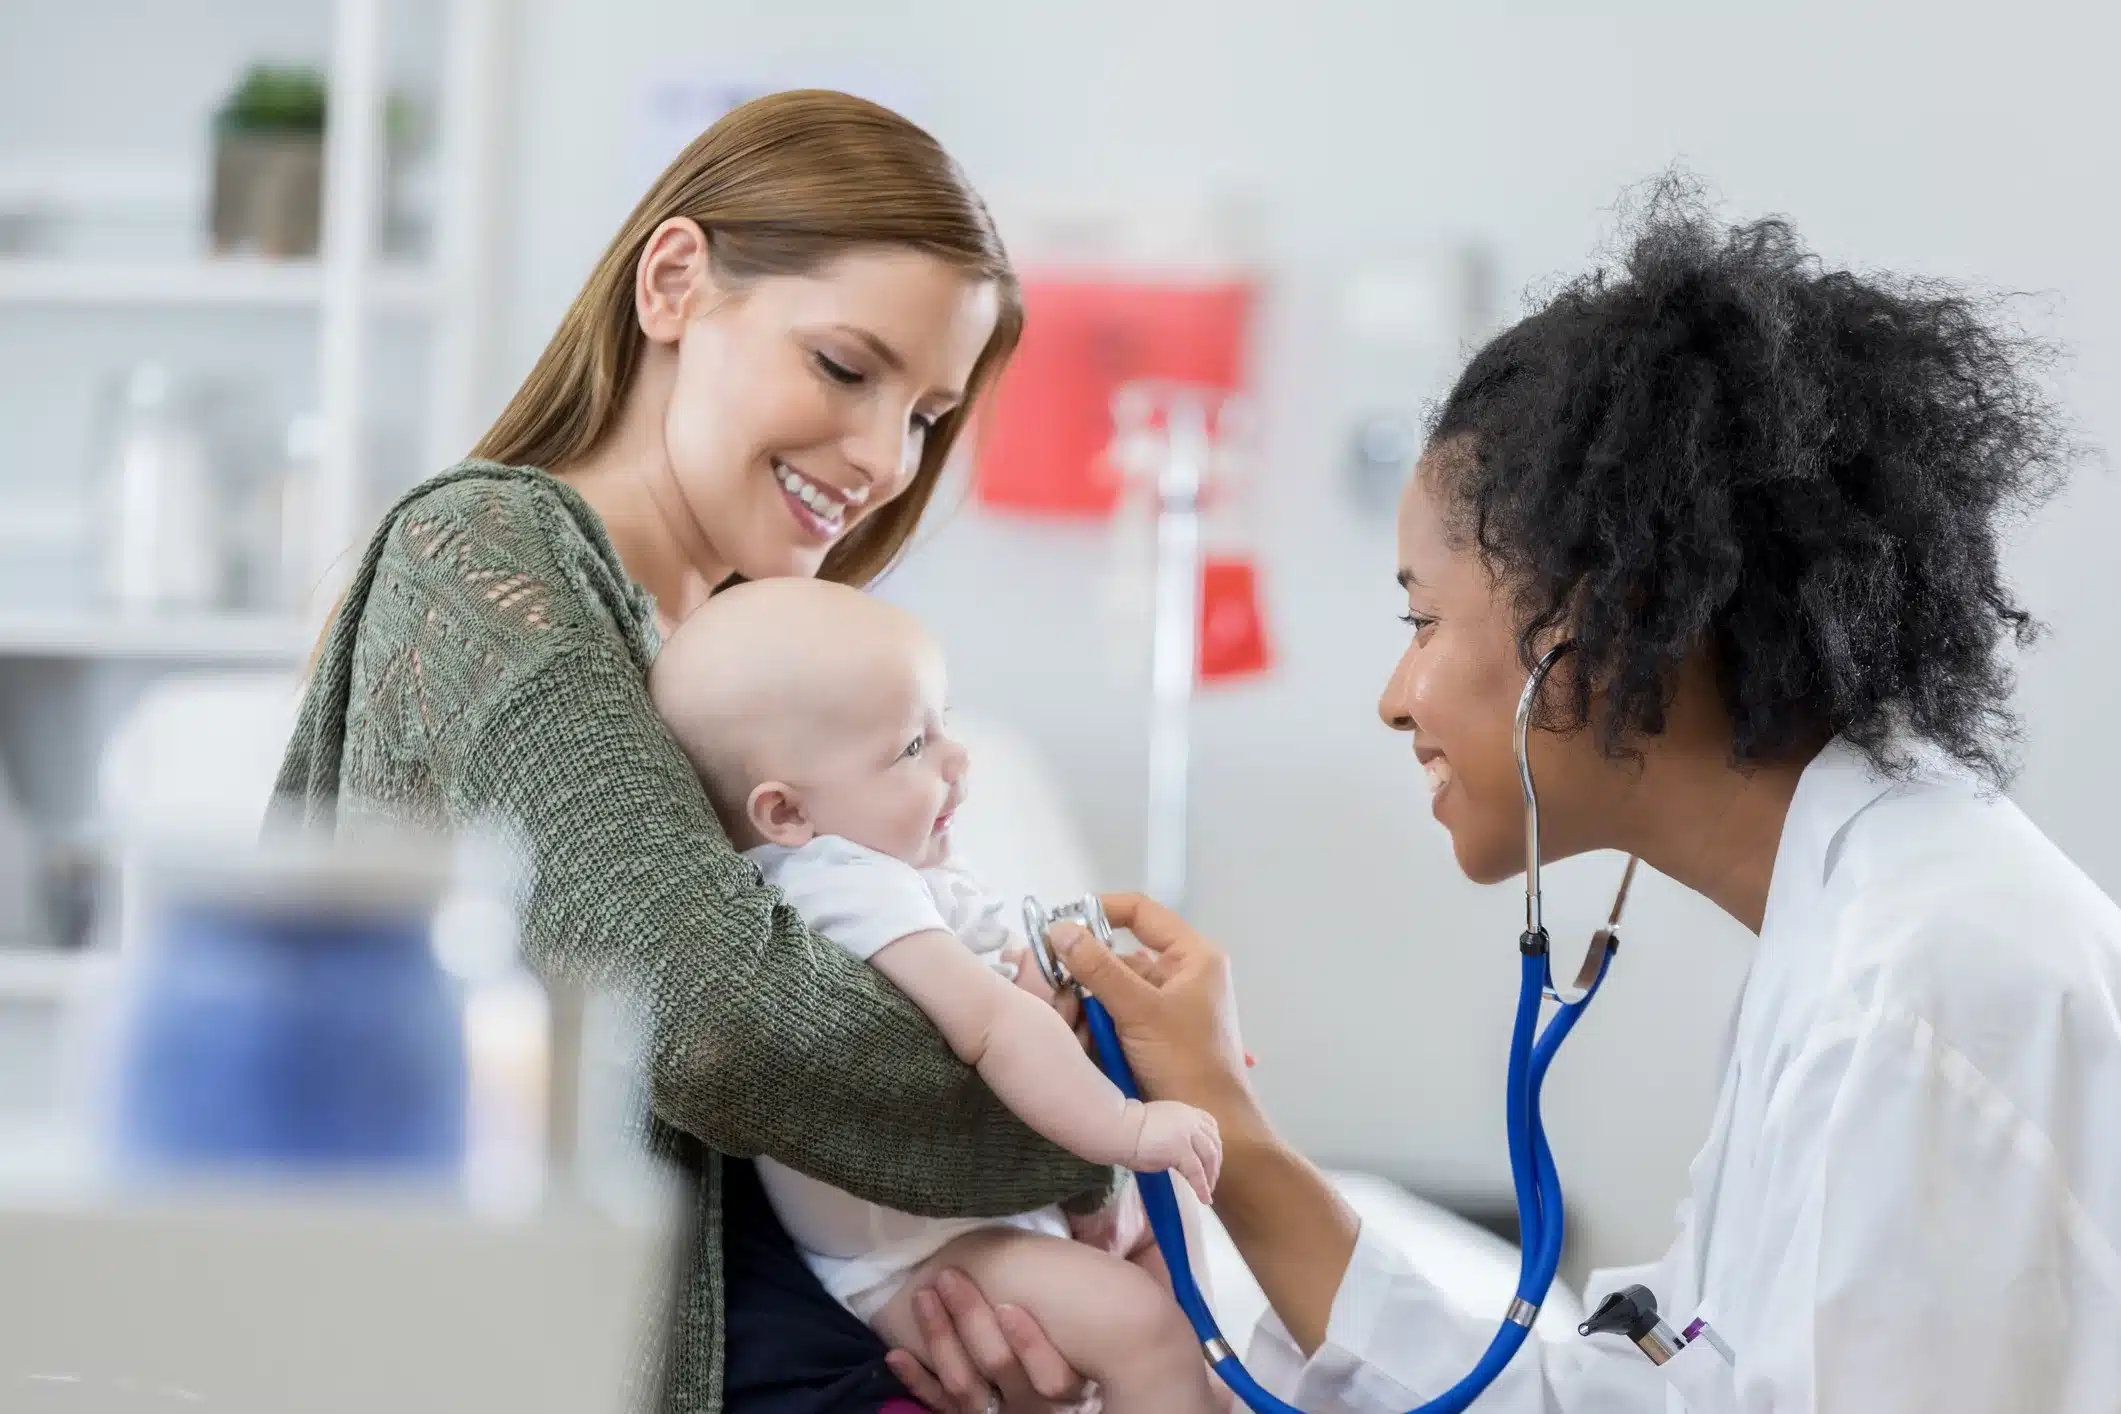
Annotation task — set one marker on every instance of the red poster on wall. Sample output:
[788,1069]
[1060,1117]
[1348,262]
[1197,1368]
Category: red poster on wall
[1044,436]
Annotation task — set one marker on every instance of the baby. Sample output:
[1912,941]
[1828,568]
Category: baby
[814,715]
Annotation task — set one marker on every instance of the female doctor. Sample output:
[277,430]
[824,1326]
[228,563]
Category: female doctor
[1762,499]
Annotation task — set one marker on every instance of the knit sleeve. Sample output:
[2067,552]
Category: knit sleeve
[763,1037]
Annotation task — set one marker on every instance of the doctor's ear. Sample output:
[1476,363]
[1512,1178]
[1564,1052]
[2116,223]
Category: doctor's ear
[674,281]
[776,811]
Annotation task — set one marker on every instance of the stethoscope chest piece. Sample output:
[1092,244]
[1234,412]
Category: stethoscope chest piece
[1086,913]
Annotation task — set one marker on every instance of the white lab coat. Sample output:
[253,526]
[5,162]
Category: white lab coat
[1910,1198]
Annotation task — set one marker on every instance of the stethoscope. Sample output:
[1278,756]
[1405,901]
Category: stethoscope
[1539,1203]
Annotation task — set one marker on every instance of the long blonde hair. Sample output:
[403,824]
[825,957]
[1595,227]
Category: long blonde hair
[782,186]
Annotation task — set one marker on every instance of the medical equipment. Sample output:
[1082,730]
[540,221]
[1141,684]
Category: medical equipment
[1128,405]
[1178,486]
[1532,1050]
[1632,1312]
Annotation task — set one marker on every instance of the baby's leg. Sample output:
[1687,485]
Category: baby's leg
[1150,1258]
[1113,1321]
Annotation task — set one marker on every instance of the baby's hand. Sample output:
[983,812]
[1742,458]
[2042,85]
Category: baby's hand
[1182,1140]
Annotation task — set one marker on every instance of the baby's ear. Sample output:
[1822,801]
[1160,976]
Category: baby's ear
[776,812]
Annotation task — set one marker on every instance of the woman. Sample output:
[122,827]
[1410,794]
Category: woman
[763,376]
[1761,498]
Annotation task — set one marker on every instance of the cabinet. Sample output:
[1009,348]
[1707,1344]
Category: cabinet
[381,339]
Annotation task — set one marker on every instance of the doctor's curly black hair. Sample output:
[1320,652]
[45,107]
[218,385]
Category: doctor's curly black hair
[1718,443]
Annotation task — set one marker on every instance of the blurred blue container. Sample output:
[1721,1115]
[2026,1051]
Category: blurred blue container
[290,1023]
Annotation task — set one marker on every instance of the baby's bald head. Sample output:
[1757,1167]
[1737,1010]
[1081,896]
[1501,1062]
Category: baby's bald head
[797,682]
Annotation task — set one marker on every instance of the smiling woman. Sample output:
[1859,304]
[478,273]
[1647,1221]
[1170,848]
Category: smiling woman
[1760,499]
[762,378]
[791,413]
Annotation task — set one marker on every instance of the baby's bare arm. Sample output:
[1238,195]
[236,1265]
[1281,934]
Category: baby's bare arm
[1020,1046]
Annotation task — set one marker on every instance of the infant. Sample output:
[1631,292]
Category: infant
[814,715]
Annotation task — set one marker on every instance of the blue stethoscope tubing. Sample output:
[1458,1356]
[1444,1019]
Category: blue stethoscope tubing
[1538,1185]
[1539,1201]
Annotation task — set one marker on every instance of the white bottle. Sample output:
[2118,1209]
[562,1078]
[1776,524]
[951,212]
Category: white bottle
[159,521]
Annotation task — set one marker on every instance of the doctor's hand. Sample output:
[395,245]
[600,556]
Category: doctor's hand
[1173,1006]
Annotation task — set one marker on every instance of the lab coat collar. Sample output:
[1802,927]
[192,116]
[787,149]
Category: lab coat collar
[1838,785]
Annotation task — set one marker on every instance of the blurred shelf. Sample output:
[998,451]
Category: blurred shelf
[264,639]
[226,284]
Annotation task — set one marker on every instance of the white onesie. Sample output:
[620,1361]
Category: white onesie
[864,901]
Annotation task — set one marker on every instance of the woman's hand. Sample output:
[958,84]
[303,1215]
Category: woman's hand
[1173,1006]
[986,1359]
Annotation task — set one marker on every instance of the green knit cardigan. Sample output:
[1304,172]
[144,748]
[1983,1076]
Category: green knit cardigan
[489,662]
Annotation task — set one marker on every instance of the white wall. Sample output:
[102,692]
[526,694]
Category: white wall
[1949,138]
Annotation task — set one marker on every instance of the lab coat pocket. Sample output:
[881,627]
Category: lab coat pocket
[1703,1379]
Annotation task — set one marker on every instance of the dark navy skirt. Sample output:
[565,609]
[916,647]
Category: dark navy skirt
[790,1348]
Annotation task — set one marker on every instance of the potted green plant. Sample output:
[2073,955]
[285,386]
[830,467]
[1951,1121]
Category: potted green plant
[269,164]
